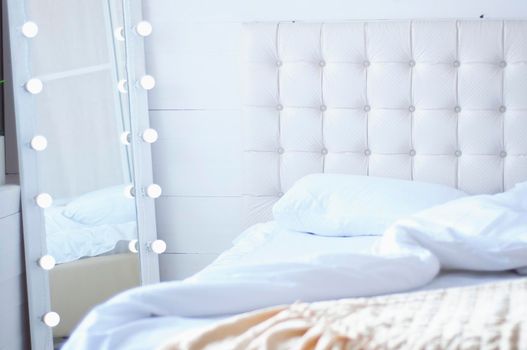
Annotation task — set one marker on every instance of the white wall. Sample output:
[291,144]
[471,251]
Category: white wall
[195,56]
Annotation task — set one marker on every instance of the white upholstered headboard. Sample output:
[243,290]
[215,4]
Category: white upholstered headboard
[435,101]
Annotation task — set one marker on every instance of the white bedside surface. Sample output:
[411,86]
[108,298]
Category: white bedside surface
[14,330]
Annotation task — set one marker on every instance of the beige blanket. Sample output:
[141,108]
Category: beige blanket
[491,316]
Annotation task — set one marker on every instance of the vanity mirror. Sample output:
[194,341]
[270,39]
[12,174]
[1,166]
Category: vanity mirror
[80,91]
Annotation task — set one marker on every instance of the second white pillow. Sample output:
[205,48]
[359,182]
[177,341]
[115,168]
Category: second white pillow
[349,205]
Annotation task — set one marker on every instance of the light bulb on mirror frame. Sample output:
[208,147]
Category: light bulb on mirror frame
[143,28]
[158,246]
[47,262]
[147,82]
[51,319]
[150,135]
[122,86]
[118,33]
[129,192]
[30,29]
[132,246]
[34,86]
[154,191]
[125,138]
[44,200]
[39,143]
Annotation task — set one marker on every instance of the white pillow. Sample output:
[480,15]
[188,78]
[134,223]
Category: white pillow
[490,231]
[106,206]
[348,205]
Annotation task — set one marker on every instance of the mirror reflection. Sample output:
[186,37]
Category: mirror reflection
[78,63]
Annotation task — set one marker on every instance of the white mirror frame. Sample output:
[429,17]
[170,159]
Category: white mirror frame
[38,292]
[32,216]
[141,151]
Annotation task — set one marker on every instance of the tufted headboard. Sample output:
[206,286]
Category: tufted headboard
[435,101]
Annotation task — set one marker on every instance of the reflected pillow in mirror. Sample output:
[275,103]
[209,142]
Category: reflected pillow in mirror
[349,205]
[105,206]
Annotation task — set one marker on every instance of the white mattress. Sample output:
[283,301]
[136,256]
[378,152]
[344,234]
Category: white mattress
[68,240]
[261,245]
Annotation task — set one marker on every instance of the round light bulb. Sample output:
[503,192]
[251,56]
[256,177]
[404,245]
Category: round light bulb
[129,191]
[132,246]
[147,82]
[158,246]
[150,135]
[118,33]
[153,191]
[143,28]
[122,86]
[51,319]
[47,262]
[34,86]
[39,143]
[30,29]
[44,200]
[125,138]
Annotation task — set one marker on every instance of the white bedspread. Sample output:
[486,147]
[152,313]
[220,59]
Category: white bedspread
[126,321]
[305,268]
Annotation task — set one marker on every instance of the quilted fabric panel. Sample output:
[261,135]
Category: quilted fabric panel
[436,101]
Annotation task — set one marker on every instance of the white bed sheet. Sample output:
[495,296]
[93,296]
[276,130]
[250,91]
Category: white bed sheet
[263,244]
[69,240]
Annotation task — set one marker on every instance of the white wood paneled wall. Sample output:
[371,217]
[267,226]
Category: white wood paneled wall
[195,55]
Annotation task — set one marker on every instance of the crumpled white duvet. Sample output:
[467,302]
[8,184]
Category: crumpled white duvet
[69,240]
[481,233]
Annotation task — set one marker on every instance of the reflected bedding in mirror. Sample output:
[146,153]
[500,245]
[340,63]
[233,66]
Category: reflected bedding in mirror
[91,225]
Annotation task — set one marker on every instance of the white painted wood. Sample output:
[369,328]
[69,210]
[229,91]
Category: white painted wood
[194,38]
[190,81]
[198,152]
[198,224]
[180,266]
[327,10]
[24,105]
[142,155]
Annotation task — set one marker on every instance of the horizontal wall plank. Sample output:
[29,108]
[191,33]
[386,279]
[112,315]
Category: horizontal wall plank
[198,224]
[194,81]
[180,266]
[271,10]
[192,38]
[198,153]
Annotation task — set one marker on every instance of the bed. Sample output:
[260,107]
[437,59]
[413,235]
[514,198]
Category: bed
[137,329]
[429,101]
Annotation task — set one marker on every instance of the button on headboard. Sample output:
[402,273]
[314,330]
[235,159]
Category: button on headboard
[434,101]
